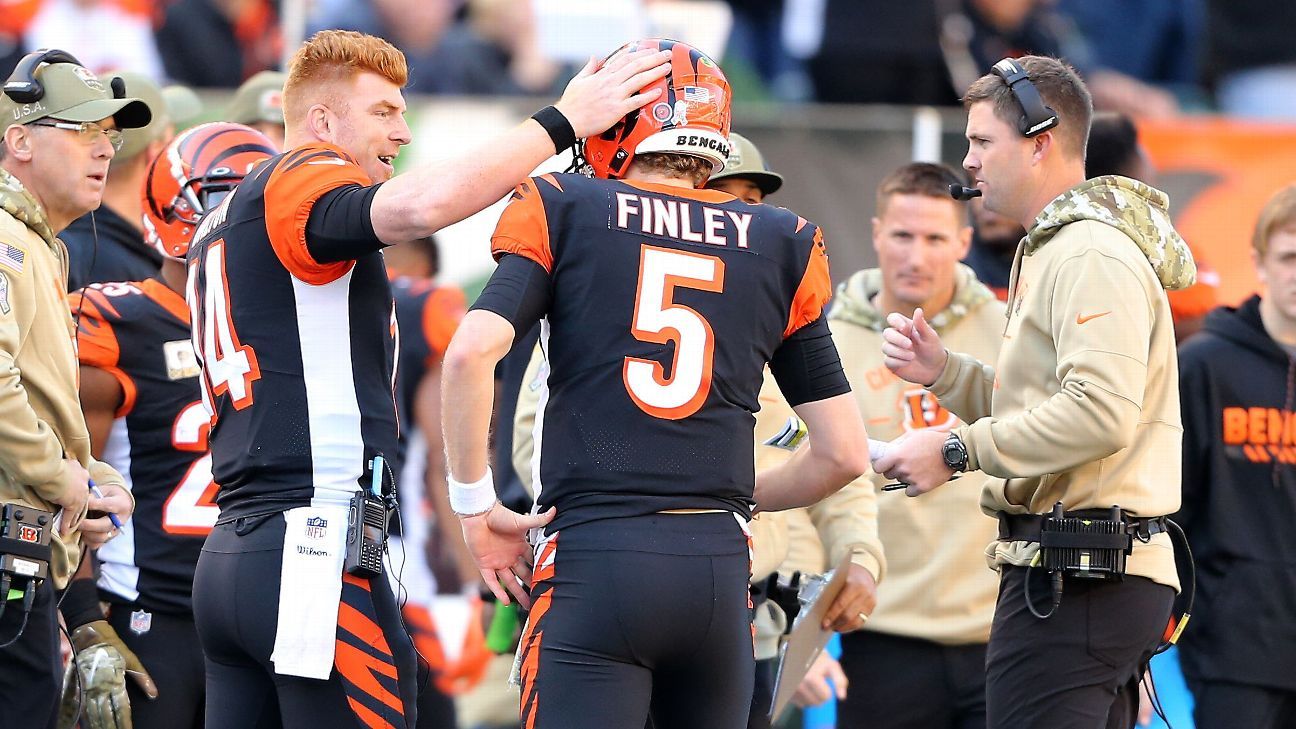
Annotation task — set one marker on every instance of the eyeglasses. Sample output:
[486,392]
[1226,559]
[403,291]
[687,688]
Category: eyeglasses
[88,131]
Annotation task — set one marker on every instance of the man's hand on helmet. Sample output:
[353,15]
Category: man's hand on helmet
[104,663]
[604,92]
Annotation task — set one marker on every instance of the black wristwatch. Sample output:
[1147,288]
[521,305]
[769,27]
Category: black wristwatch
[955,453]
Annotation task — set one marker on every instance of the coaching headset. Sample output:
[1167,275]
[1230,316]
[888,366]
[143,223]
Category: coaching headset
[24,88]
[1037,117]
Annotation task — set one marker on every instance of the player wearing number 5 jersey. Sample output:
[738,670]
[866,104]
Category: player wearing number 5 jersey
[660,306]
[142,402]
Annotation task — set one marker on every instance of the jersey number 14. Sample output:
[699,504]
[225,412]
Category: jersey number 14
[229,367]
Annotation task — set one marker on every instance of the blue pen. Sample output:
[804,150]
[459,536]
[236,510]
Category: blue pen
[99,494]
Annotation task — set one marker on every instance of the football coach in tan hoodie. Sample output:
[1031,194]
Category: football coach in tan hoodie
[60,130]
[1083,408]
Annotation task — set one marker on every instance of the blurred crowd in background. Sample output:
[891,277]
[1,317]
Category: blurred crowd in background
[1150,58]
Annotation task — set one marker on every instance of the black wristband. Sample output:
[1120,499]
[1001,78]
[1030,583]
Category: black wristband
[80,603]
[557,127]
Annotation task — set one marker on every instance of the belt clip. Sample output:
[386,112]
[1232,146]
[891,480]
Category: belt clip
[1144,530]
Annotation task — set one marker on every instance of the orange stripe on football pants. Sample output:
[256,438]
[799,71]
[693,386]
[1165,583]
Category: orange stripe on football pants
[360,669]
[533,637]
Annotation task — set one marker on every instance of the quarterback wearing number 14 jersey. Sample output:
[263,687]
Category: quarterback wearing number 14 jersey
[298,352]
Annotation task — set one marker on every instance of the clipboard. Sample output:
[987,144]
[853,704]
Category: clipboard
[806,641]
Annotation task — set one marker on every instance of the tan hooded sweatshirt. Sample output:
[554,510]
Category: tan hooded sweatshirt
[937,586]
[1084,405]
[40,411]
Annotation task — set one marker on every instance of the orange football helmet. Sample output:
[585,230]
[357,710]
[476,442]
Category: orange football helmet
[690,117]
[192,175]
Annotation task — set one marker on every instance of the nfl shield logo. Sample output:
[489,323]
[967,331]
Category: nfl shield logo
[141,622]
[316,527]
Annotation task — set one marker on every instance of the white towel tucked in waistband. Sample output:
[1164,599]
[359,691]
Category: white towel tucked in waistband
[310,587]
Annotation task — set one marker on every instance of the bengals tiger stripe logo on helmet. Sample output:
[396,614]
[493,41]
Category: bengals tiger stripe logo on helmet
[192,175]
[691,116]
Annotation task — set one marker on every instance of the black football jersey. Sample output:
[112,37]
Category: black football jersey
[139,333]
[297,355]
[667,303]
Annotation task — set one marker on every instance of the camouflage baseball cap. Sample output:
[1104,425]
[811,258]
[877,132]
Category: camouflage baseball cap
[73,93]
[746,162]
[183,104]
[259,99]
[135,141]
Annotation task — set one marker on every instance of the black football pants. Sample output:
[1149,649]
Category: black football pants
[640,616]
[236,605]
[172,655]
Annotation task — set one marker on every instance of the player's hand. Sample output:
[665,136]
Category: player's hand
[915,459]
[815,688]
[912,349]
[602,93]
[97,531]
[104,663]
[854,603]
[75,496]
[497,542]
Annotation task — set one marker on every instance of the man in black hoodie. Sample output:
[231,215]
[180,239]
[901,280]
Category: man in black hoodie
[1238,384]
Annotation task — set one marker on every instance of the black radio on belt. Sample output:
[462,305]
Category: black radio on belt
[1092,548]
[367,519]
[24,543]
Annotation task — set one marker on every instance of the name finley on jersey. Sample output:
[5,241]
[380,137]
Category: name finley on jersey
[669,218]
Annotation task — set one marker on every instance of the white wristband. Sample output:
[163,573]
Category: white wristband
[471,499]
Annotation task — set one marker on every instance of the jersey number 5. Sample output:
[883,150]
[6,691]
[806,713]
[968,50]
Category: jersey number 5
[191,507]
[228,365]
[659,320]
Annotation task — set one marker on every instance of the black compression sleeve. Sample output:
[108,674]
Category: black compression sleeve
[80,603]
[518,291]
[340,227]
[807,366]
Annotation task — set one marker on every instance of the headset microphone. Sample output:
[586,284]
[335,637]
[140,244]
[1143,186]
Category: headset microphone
[960,192]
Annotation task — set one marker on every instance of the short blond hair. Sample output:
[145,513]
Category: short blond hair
[334,56]
[1278,214]
[685,166]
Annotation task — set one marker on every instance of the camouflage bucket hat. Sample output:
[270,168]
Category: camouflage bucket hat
[72,93]
[747,163]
